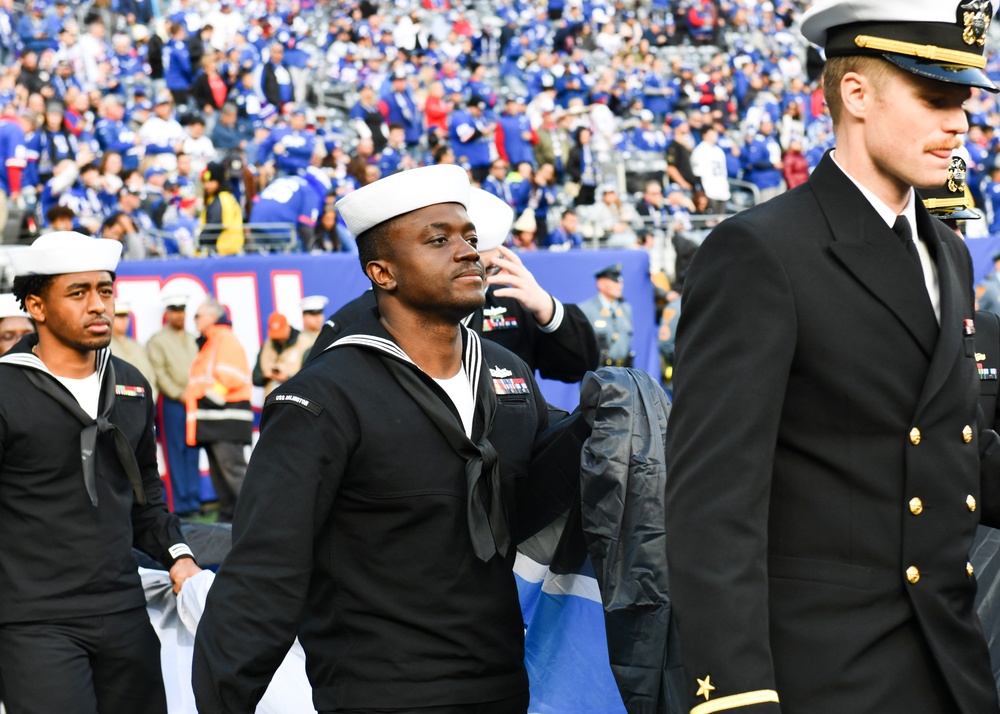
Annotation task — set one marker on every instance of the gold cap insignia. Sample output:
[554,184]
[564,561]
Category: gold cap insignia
[976,16]
[980,356]
[956,175]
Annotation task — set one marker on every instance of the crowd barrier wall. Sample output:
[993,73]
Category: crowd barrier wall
[254,286]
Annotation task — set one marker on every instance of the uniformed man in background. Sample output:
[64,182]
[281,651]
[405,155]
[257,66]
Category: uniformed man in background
[312,321]
[611,318]
[124,347]
[15,323]
[79,487]
[171,352]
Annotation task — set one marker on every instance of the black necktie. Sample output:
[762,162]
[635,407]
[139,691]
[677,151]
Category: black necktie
[93,427]
[902,229]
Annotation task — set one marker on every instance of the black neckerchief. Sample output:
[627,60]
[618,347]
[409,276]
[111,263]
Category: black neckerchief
[38,374]
[485,509]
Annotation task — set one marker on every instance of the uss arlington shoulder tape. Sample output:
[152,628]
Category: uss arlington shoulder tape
[310,405]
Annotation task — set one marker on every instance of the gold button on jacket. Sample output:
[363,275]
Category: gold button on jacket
[916,506]
[967,434]
[912,574]
[914,436]
[969,570]
[970,501]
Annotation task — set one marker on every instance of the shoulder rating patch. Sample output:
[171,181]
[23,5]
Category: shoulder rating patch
[310,405]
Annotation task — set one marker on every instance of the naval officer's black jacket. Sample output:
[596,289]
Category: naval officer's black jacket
[824,482]
[62,556]
[352,532]
[565,351]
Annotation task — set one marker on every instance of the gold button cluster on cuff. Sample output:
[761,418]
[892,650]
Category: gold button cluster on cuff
[916,506]
[912,574]
[970,502]
[967,434]
[914,436]
[969,570]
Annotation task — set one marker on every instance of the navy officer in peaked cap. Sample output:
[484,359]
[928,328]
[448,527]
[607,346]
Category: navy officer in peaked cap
[825,471]
[611,318]
[388,546]
[79,487]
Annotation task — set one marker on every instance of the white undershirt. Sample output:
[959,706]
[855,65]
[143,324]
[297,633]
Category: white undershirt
[87,391]
[910,212]
[459,389]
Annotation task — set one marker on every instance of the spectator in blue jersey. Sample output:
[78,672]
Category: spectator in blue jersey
[34,30]
[276,79]
[178,71]
[471,136]
[290,148]
[515,137]
[991,195]
[497,184]
[77,185]
[566,235]
[394,156]
[294,199]
[541,197]
[130,204]
[657,94]
[366,116]
[762,161]
[230,132]
[51,143]
[583,168]
[399,107]
[13,158]
[115,134]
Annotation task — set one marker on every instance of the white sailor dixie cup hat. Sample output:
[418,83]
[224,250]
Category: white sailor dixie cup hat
[939,39]
[402,193]
[65,252]
[492,218]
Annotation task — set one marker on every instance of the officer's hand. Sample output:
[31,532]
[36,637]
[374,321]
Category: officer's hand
[521,285]
[181,571]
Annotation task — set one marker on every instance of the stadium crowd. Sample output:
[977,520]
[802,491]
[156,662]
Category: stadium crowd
[600,122]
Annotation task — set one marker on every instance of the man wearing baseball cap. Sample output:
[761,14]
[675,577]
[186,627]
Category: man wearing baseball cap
[78,487]
[379,514]
[825,471]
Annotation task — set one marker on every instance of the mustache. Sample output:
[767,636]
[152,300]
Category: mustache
[476,270]
[950,146]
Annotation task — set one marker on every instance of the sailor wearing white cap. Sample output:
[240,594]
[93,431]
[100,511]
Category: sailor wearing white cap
[127,348]
[383,472]
[78,487]
[312,308]
[15,323]
[554,338]
[818,558]
[171,352]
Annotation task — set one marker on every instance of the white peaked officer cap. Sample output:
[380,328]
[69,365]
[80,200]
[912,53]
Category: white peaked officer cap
[939,39]
[492,218]
[66,252]
[401,193]
[314,303]
[174,300]
[10,307]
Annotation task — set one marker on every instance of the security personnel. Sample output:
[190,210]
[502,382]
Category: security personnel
[388,536]
[611,318]
[78,487]
[552,337]
[825,474]
[280,356]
